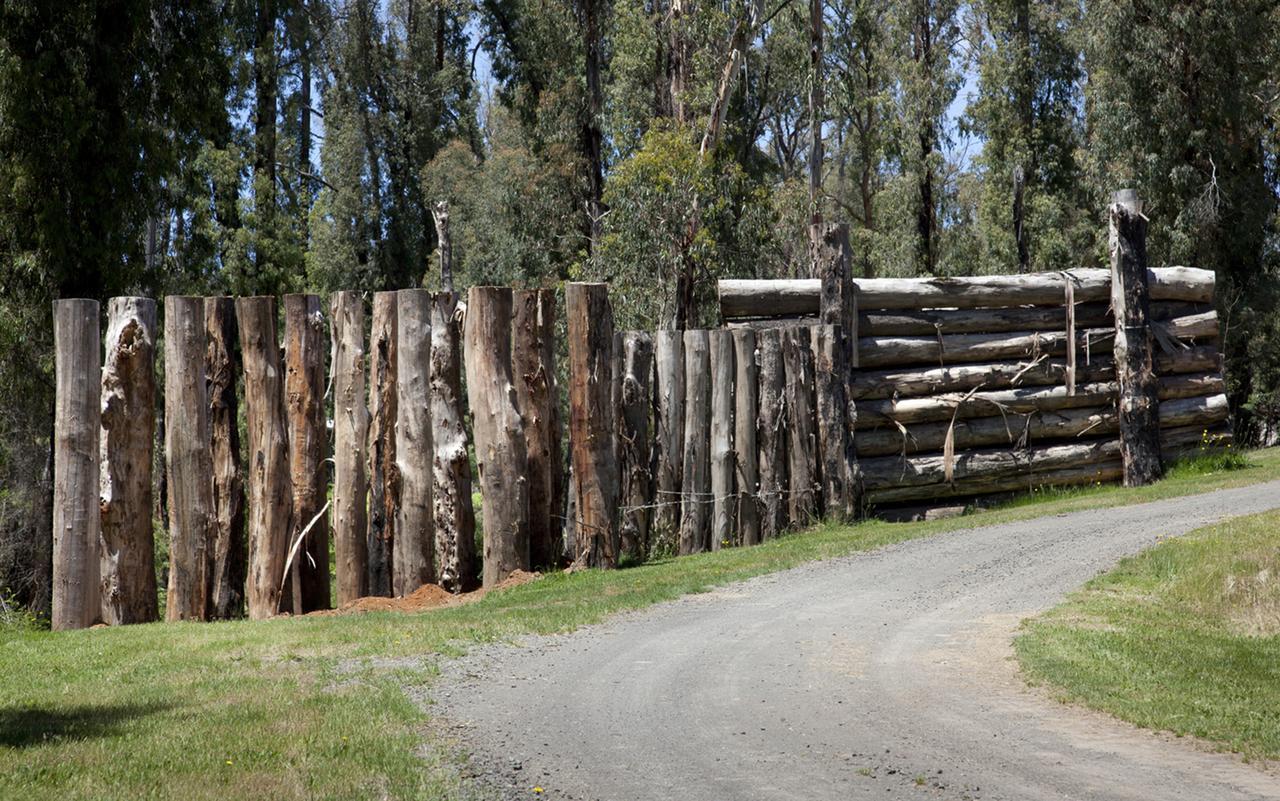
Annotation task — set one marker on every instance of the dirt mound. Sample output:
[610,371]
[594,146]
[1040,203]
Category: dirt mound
[426,597]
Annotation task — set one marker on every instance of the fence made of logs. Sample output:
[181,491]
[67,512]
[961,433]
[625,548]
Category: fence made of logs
[818,398]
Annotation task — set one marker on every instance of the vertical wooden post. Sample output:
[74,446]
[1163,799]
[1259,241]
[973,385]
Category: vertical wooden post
[695,518]
[227,545]
[668,434]
[591,423]
[537,398]
[384,495]
[454,515]
[189,458]
[501,454]
[836,357]
[746,459]
[1139,403]
[127,566]
[77,519]
[350,431]
[771,433]
[802,442]
[414,548]
[633,360]
[308,441]
[724,529]
[270,493]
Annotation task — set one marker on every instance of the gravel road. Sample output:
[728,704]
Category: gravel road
[882,675]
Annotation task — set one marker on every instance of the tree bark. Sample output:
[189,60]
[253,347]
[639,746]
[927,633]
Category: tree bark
[501,453]
[771,434]
[384,483]
[414,547]
[724,529]
[77,518]
[537,398]
[350,433]
[455,517]
[837,459]
[695,518]
[1019,481]
[591,423]
[882,352]
[270,490]
[633,354]
[802,442]
[746,458]
[307,587]
[669,434]
[222,367]
[127,569]
[440,214]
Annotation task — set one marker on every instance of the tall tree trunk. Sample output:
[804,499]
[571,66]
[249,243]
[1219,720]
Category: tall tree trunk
[222,369]
[593,136]
[412,564]
[455,516]
[440,214]
[816,112]
[265,80]
[680,61]
[927,139]
[350,432]
[384,492]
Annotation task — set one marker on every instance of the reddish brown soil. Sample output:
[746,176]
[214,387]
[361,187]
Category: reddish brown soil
[425,598]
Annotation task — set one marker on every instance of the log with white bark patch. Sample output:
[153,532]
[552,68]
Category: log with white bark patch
[227,545]
[724,501]
[695,517]
[633,359]
[384,493]
[307,587]
[746,458]
[350,433]
[771,434]
[668,421]
[455,516]
[537,397]
[412,563]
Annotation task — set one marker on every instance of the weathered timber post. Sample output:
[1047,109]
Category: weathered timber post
[308,585]
[384,493]
[591,423]
[350,431]
[414,548]
[695,518]
[501,455]
[77,519]
[771,433]
[633,361]
[189,458]
[534,369]
[127,560]
[454,515]
[835,346]
[270,492]
[724,503]
[227,544]
[668,421]
[802,442]
[746,459]
[1139,402]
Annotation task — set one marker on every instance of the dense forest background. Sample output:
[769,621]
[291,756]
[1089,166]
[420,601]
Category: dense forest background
[267,146]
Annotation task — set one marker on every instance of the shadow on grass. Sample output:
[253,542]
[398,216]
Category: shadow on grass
[27,726]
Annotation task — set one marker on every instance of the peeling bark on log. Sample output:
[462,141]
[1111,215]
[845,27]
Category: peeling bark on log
[455,516]
[695,516]
[669,434]
[77,518]
[189,460]
[746,386]
[227,560]
[897,472]
[270,493]
[881,352]
[350,432]
[384,492]
[537,398]
[501,455]
[307,587]
[802,443]
[771,434]
[724,529]
[127,571]
[633,354]
[838,463]
[1101,472]
[591,422]
[414,547]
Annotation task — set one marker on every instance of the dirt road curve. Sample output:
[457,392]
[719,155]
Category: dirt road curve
[884,675]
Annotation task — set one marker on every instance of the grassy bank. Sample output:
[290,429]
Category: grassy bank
[1183,638]
[277,710]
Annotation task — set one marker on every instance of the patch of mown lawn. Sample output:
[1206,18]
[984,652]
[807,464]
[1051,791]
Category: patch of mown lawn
[1184,638]
[314,708]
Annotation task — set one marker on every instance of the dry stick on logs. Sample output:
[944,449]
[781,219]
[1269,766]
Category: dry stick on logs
[384,493]
[668,416]
[350,432]
[633,359]
[414,548]
[724,502]
[189,460]
[501,454]
[307,589]
[802,442]
[270,493]
[1130,298]
[746,459]
[455,517]
[76,516]
[127,569]
[537,398]
[695,518]
[227,544]
[591,423]
[771,434]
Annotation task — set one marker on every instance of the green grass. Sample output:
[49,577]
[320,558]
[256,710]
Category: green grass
[308,708]
[1183,638]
